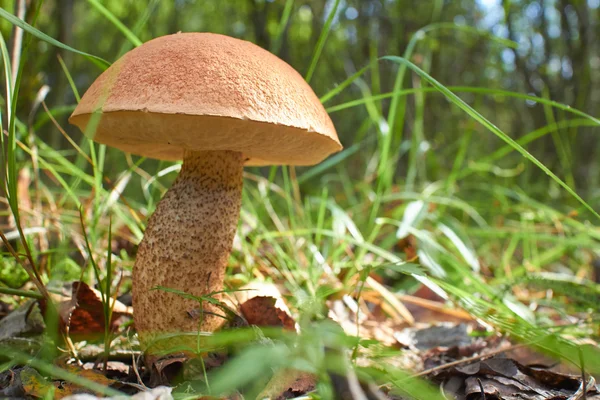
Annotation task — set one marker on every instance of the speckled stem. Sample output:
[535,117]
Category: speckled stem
[186,247]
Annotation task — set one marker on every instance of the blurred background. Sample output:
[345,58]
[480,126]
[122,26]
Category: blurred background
[557,58]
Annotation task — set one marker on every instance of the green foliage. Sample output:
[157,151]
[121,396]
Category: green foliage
[65,270]
[12,274]
[419,93]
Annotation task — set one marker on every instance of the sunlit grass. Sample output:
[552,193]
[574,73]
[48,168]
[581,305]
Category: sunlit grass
[319,231]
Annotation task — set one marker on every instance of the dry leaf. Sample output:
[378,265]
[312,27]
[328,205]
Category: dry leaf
[84,316]
[25,321]
[504,378]
[261,311]
[35,385]
[287,384]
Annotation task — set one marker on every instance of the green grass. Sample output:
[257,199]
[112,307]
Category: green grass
[318,230]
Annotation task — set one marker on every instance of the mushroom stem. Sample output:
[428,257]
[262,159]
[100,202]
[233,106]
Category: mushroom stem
[186,247]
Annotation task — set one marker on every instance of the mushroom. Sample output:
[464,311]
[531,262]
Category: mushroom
[217,103]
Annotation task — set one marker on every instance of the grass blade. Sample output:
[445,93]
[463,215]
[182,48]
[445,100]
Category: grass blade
[100,62]
[491,127]
[115,21]
[463,89]
[321,41]
[283,23]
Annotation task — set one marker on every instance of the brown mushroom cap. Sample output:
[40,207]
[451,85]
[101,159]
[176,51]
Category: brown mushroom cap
[204,91]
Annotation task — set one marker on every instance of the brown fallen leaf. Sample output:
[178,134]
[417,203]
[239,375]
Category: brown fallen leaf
[260,289]
[35,385]
[89,374]
[503,378]
[83,313]
[261,311]
[287,384]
